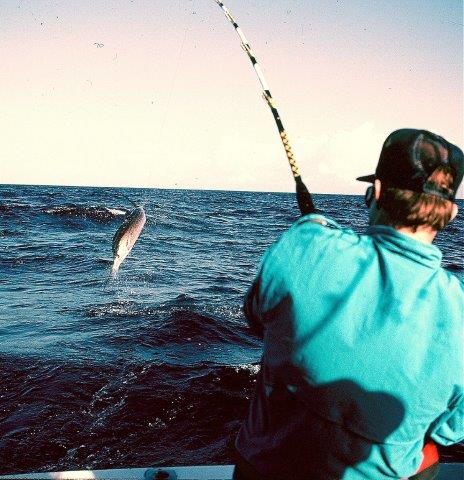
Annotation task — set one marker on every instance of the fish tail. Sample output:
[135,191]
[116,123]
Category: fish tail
[115,267]
[114,271]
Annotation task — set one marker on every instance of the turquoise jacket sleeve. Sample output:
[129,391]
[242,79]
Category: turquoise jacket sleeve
[269,289]
[266,290]
[449,427]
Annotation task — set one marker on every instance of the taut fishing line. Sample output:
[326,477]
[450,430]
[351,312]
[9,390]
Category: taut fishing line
[303,196]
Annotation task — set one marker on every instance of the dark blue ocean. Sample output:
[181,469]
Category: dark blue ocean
[156,367]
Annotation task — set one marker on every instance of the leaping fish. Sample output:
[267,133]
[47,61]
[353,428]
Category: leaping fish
[126,236]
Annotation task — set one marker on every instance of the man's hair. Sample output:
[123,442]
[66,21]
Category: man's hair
[405,208]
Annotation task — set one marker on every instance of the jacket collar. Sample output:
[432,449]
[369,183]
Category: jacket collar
[398,242]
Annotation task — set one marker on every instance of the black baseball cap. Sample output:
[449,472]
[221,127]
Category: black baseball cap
[410,156]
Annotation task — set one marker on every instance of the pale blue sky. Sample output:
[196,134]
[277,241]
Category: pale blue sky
[171,100]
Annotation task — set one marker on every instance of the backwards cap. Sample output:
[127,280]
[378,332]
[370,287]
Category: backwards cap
[410,156]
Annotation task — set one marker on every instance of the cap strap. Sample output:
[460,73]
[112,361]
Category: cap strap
[432,188]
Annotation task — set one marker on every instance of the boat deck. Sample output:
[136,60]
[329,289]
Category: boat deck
[448,471]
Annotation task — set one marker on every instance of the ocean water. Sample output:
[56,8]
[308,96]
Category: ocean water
[156,367]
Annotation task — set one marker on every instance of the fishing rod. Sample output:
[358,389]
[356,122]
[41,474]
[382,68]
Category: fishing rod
[305,201]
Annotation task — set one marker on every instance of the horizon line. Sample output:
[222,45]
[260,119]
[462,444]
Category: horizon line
[181,189]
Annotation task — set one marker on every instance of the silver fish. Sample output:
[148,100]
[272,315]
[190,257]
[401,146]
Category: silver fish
[126,236]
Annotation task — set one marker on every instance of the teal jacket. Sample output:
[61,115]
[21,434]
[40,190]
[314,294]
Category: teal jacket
[363,354]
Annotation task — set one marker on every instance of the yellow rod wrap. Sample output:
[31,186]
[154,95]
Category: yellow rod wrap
[289,152]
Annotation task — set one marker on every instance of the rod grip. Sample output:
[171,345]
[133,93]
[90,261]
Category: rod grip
[305,201]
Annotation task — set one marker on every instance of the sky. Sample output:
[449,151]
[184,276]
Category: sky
[159,93]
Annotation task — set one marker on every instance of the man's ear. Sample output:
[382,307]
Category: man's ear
[454,212]
[377,189]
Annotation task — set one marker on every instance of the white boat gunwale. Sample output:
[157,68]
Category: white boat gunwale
[448,471]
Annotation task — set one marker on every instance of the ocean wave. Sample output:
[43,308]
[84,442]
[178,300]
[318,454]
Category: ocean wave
[219,289]
[10,233]
[104,261]
[66,416]
[183,326]
[121,308]
[38,259]
[454,267]
[13,209]
[98,214]
[230,312]
[8,193]
[117,211]
[170,325]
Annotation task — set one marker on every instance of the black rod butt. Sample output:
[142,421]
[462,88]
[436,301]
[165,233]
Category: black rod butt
[305,201]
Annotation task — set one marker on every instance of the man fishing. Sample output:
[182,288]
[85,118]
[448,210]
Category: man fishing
[362,367]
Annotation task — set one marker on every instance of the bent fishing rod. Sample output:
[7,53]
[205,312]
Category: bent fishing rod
[305,201]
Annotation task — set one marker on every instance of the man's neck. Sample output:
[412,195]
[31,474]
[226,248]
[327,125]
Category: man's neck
[422,234]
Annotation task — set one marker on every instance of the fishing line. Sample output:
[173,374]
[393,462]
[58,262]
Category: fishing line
[173,81]
[148,212]
[123,195]
[303,196]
